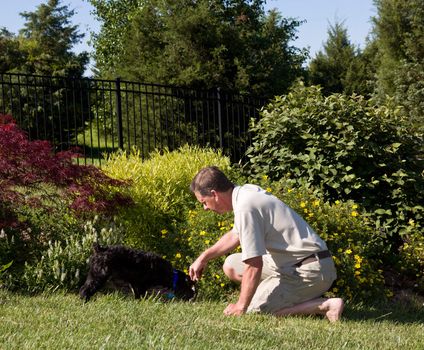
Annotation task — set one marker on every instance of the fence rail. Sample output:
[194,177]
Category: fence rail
[102,116]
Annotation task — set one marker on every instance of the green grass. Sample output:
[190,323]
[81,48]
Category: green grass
[61,321]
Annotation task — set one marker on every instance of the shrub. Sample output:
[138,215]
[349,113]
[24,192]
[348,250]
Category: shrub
[160,190]
[348,148]
[350,235]
[411,264]
[44,198]
[31,174]
[200,231]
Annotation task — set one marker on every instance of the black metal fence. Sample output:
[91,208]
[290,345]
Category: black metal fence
[101,116]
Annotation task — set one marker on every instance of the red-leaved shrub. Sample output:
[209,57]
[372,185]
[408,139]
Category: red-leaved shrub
[26,166]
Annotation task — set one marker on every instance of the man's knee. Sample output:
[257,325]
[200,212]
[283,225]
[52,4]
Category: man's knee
[231,273]
[234,267]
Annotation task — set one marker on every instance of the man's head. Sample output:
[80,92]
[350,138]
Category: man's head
[213,189]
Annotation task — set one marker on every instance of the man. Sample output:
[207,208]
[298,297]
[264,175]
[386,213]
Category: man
[284,267]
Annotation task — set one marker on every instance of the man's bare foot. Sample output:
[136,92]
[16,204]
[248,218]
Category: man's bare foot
[332,309]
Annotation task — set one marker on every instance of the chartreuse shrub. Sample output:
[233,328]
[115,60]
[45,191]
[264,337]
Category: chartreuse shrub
[350,149]
[159,187]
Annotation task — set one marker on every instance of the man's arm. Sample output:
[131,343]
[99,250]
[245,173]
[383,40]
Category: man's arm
[249,284]
[225,244]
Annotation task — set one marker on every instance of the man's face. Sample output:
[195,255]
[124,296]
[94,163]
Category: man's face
[211,202]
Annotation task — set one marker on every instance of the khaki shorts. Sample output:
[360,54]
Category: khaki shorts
[289,286]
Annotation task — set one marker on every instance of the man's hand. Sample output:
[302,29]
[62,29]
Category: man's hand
[196,269]
[234,309]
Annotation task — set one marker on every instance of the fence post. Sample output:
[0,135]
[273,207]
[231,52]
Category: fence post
[119,113]
[221,139]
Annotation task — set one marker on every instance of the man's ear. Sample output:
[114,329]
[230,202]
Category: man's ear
[214,193]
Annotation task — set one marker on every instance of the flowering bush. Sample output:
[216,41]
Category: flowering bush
[201,230]
[350,236]
[355,246]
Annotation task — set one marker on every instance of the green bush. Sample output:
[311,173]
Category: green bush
[349,149]
[160,191]
[411,264]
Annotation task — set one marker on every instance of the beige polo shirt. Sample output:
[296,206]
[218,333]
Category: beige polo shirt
[267,227]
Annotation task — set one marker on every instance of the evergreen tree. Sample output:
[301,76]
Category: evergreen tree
[47,40]
[399,31]
[208,43]
[330,68]
[11,56]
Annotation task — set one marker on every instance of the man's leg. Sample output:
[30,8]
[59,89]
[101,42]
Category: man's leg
[331,308]
[234,267]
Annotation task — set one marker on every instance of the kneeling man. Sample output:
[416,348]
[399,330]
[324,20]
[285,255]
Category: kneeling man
[284,267]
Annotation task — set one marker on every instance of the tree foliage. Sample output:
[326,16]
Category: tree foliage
[399,32]
[340,67]
[48,38]
[44,45]
[230,44]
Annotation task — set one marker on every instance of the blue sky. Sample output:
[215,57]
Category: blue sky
[318,14]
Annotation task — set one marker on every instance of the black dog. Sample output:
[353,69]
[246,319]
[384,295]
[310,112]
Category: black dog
[141,271]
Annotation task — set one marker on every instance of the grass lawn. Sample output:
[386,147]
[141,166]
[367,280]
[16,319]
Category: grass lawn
[62,321]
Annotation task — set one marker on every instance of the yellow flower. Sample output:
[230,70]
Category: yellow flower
[269,189]
[264,177]
[348,251]
[207,241]
[358,258]
[202,233]
[354,213]
[311,215]
[222,284]
[357,273]
[411,222]
[302,204]
[217,277]
[337,202]
[316,202]
[178,256]
[358,265]
[289,190]
[355,206]
[164,231]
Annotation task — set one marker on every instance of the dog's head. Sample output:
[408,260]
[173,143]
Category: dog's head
[184,288]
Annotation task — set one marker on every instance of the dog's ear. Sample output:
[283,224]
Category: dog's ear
[96,247]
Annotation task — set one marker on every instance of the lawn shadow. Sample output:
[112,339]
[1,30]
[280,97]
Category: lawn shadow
[410,310]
